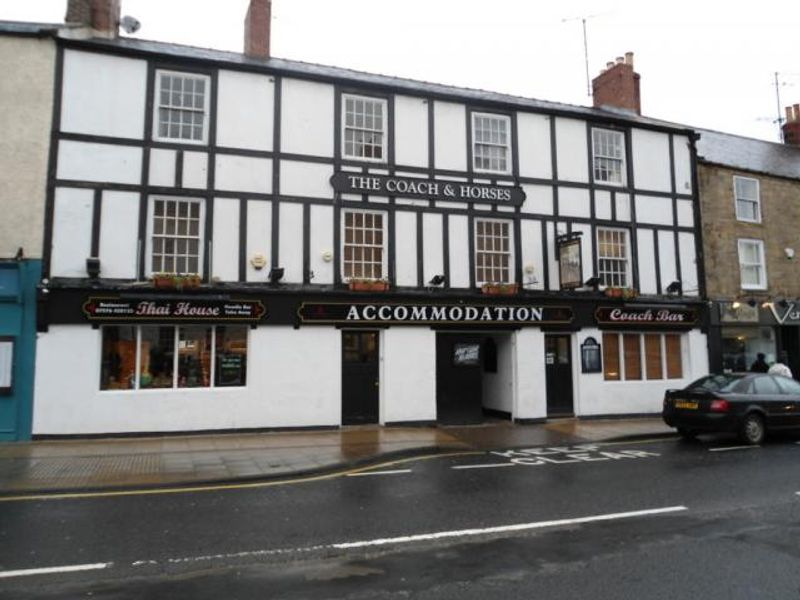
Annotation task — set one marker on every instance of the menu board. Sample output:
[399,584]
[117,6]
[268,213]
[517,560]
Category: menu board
[230,369]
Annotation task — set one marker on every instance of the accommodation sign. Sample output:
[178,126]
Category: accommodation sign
[644,316]
[433,189]
[106,309]
[366,313]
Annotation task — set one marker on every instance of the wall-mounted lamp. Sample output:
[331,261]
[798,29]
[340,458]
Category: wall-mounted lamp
[437,280]
[592,282]
[675,288]
[789,253]
[767,303]
[735,304]
[275,274]
[93,267]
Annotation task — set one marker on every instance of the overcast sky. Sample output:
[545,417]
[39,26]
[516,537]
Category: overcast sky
[705,63]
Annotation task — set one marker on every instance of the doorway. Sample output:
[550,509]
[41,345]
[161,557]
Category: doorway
[558,375]
[459,378]
[360,377]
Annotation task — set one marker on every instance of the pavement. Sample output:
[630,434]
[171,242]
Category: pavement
[78,465]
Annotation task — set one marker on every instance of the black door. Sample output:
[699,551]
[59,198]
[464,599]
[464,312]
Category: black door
[558,373]
[360,377]
[790,344]
[459,379]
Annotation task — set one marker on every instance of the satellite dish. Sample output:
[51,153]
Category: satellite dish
[130,24]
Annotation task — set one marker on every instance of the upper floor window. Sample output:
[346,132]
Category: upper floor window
[748,200]
[608,155]
[363,246]
[491,147]
[751,265]
[493,257]
[181,111]
[364,128]
[613,257]
[176,235]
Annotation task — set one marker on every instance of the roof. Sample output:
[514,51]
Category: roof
[324,72]
[748,154]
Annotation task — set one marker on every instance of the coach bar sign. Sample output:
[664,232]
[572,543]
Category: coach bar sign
[431,314]
[433,189]
[638,316]
[109,309]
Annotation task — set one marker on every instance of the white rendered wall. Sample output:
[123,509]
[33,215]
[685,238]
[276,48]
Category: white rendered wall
[306,179]
[683,164]
[279,392]
[573,202]
[321,246]
[290,242]
[646,259]
[119,237]
[689,278]
[666,258]
[408,374]
[623,202]
[685,213]
[259,237]
[103,94]
[450,136]
[432,246]
[554,283]
[195,170]
[225,249]
[162,167]
[243,174]
[106,163]
[655,210]
[533,132]
[531,232]
[411,131]
[650,160]
[307,118]
[72,232]
[538,199]
[528,359]
[406,248]
[459,251]
[602,204]
[596,396]
[245,110]
[498,388]
[571,150]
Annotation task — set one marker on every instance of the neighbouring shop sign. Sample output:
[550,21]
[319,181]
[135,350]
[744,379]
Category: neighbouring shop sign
[365,313]
[433,189]
[105,309]
[643,316]
[785,313]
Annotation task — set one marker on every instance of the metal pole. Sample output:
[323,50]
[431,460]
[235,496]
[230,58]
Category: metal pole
[586,58]
[778,100]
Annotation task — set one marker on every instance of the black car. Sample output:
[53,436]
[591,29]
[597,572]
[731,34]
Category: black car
[749,404]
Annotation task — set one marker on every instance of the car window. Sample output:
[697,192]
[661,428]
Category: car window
[737,386]
[788,386]
[766,385]
[713,383]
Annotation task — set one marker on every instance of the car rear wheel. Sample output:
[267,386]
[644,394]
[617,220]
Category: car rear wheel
[752,430]
[687,434]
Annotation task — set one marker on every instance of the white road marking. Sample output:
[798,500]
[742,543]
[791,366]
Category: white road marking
[487,466]
[390,472]
[726,448]
[52,570]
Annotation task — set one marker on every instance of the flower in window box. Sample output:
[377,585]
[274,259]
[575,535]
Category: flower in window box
[629,293]
[175,281]
[368,285]
[500,289]
[614,292]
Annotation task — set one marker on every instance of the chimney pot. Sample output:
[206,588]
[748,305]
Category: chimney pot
[791,128]
[620,60]
[629,58]
[609,64]
[102,16]
[257,28]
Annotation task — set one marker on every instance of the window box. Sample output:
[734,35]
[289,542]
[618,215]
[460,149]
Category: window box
[368,285]
[175,282]
[500,289]
[619,292]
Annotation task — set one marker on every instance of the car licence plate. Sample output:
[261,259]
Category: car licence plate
[686,405]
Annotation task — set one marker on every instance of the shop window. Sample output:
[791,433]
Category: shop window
[176,235]
[748,200]
[652,356]
[751,265]
[633,356]
[608,155]
[181,112]
[166,357]
[363,245]
[493,257]
[742,345]
[364,128]
[491,143]
[612,257]
[672,344]
[611,366]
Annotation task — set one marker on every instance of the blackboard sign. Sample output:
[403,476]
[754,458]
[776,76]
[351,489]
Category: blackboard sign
[230,369]
[466,355]
[590,356]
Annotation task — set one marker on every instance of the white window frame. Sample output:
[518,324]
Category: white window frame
[507,146]
[756,201]
[149,241]
[384,245]
[629,250]
[157,107]
[622,159]
[384,131]
[479,282]
[762,284]
[643,356]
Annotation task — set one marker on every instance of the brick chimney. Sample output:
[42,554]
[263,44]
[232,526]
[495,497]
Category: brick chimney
[791,128]
[101,16]
[256,28]
[618,86]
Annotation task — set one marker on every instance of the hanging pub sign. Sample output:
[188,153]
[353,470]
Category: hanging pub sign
[646,316]
[110,309]
[364,313]
[570,266]
[426,189]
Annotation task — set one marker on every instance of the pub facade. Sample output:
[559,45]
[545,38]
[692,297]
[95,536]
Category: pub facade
[235,241]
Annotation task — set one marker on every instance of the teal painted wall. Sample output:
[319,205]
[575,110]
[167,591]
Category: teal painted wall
[18,319]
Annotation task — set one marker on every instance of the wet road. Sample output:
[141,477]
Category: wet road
[636,520]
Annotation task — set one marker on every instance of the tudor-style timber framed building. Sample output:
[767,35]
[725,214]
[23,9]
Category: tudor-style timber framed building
[473,219]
